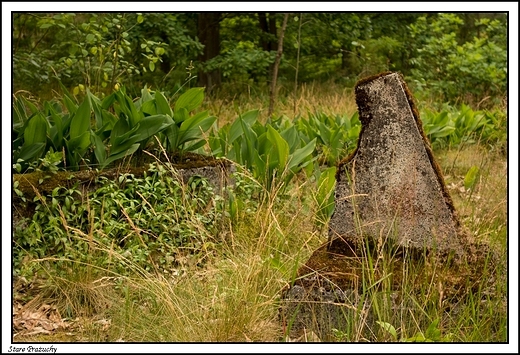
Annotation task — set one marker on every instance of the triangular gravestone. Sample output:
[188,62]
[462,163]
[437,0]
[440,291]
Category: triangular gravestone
[391,187]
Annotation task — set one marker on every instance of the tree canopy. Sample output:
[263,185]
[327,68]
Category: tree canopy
[451,55]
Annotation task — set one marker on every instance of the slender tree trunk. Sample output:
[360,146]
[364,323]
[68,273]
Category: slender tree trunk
[267,23]
[297,62]
[272,30]
[264,40]
[272,93]
[208,31]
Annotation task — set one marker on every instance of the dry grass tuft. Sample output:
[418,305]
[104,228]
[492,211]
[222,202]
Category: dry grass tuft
[330,98]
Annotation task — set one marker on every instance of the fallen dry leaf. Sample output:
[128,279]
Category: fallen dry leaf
[45,319]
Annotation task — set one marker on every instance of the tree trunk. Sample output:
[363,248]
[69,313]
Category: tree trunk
[272,95]
[264,40]
[272,31]
[208,32]
[267,22]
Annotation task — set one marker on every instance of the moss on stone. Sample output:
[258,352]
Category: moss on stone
[43,183]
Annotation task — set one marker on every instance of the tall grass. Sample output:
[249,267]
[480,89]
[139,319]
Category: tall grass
[233,298]
[234,295]
[330,98]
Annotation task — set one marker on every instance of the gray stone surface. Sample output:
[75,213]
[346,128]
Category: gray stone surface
[320,306]
[389,188]
[219,176]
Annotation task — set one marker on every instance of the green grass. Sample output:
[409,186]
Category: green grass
[234,296]
[229,290]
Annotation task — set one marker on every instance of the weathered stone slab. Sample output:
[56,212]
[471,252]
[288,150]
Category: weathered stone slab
[391,185]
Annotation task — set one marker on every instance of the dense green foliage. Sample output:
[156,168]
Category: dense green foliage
[449,56]
[147,219]
[452,127]
[94,91]
[273,153]
[120,127]
[96,133]
[454,69]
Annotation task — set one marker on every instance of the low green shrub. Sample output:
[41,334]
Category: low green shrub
[100,132]
[150,219]
[273,152]
[452,127]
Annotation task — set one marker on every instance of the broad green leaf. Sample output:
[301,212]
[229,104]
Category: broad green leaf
[150,126]
[127,106]
[114,157]
[389,328]
[260,169]
[70,105]
[123,142]
[336,141]
[262,145]
[218,140]
[68,99]
[56,131]
[280,152]
[123,146]
[354,120]
[145,95]
[194,127]
[29,152]
[108,101]
[249,150]
[181,115]
[109,120]
[99,147]
[354,132]
[233,153]
[172,133]
[215,144]
[195,146]
[90,38]
[471,177]
[81,121]
[48,109]
[325,133]
[80,143]
[120,128]
[19,114]
[291,137]
[301,154]
[236,129]
[250,117]
[190,100]
[439,132]
[36,130]
[441,119]
[149,108]
[95,103]
[325,193]
[162,104]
